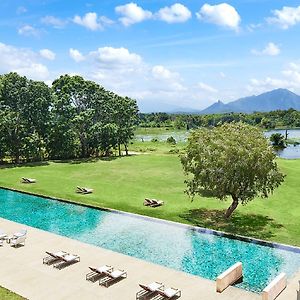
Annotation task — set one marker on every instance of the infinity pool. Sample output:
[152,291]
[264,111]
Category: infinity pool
[174,246]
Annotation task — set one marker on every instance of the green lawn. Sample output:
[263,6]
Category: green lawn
[123,183]
[8,295]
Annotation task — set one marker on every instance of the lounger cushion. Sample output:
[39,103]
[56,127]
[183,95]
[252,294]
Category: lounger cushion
[70,257]
[103,269]
[154,286]
[117,273]
[170,292]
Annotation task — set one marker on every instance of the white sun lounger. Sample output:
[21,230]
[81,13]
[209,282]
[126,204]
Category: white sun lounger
[66,260]
[111,276]
[149,289]
[53,257]
[3,235]
[170,293]
[84,190]
[28,180]
[18,241]
[22,232]
[98,271]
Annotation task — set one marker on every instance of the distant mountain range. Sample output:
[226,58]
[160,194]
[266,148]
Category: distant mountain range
[279,99]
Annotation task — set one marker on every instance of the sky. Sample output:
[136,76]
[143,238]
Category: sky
[165,54]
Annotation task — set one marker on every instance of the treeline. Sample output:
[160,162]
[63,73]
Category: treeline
[266,120]
[75,118]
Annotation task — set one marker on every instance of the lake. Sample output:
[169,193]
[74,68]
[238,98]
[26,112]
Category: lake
[290,152]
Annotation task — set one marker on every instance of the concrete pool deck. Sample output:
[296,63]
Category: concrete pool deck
[22,271]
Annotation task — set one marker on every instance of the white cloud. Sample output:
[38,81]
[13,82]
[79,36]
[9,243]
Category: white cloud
[53,21]
[89,20]
[116,57]
[28,30]
[207,88]
[290,79]
[48,54]
[222,74]
[23,61]
[177,13]
[76,55]
[271,49]
[160,72]
[221,14]
[286,17]
[132,13]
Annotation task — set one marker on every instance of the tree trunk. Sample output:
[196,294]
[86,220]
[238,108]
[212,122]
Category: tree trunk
[119,148]
[126,149]
[232,207]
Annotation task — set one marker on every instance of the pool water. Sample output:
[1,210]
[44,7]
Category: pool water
[179,247]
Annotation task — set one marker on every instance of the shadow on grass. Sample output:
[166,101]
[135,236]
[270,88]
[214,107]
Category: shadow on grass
[24,165]
[78,161]
[254,225]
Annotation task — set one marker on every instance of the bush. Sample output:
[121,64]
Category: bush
[154,140]
[171,140]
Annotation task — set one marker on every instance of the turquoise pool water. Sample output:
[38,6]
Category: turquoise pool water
[178,247]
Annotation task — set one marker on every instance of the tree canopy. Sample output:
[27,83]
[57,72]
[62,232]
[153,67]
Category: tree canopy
[230,160]
[74,118]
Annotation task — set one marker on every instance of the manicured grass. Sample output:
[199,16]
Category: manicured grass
[123,183]
[8,295]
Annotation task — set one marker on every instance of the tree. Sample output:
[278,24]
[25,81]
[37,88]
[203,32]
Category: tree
[277,140]
[24,116]
[231,160]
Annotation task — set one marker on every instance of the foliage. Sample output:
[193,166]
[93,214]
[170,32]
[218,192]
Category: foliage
[277,140]
[74,118]
[171,140]
[231,160]
[267,120]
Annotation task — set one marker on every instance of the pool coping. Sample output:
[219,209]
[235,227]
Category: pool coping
[199,229]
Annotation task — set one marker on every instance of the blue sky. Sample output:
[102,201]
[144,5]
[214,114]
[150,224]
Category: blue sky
[165,54]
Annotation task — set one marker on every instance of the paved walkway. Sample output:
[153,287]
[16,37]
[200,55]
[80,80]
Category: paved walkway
[22,271]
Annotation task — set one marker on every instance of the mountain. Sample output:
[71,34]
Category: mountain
[274,100]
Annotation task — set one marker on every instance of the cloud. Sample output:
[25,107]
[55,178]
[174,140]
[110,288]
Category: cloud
[207,88]
[290,79]
[271,49]
[89,20]
[76,55]
[115,57]
[48,54]
[132,13]
[54,21]
[222,14]
[177,13]
[286,17]
[23,61]
[28,30]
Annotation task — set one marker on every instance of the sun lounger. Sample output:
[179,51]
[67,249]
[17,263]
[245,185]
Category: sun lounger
[28,180]
[98,271]
[18,241]
[148,290]
[112,276]
[84,190]
[22,232]
[67,260]
[3,235]
[53,257]
[170,293]
[153,202]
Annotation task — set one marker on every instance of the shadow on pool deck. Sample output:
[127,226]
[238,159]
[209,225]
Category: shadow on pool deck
[254,225]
